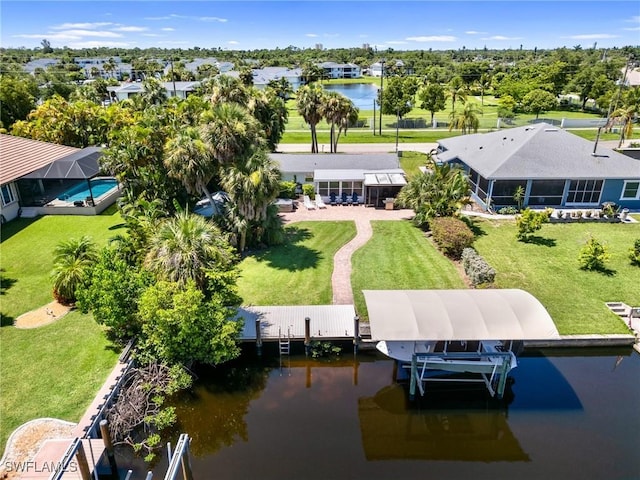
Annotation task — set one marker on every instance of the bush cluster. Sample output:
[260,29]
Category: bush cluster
[451,235]
[287,189]
[477,268]
[634,253]
[310,190]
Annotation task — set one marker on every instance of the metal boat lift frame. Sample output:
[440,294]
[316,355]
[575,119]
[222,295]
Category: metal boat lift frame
[494,375]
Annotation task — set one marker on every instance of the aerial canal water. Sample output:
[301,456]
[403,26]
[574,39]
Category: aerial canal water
[568,414]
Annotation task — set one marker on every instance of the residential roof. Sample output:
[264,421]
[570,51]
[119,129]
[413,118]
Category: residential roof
[489,314]
[538,151]
[394,178]
[77,166]
[21,156]
[294,162]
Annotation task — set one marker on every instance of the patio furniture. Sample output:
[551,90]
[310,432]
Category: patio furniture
[319,202]
[345,199]
[333,198]
[354,198]
[309,205]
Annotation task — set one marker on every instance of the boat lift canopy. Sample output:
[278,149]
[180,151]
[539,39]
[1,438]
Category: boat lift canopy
[449,315]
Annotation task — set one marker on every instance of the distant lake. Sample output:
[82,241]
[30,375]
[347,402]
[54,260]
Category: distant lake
[361,94]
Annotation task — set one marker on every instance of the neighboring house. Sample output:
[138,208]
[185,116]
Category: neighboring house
[373,177]
[177,89]
[192,66]
[375,70]
[96,65]
[20,157]
[262,76]
[556,168]
[632,78]
[340,70]
[42,63]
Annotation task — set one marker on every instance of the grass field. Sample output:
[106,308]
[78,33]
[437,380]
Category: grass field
[548,268]
[398,257]
[54,370]
[297,272]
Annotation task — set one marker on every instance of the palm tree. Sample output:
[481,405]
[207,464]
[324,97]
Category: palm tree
[231,133]
[187,158]
[153,92]
[457,91]
[338,110]
[625,115]
[252,186]
[310,99]
[484,83]
[72,262]
[467,120]
[441,192]
[185,247]
[224,88]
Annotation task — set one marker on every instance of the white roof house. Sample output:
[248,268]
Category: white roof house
[341,70]
[128,90]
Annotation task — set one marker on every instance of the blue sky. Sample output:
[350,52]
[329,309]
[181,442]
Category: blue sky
[249,25]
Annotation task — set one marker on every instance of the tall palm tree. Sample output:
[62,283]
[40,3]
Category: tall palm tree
[252,186]
[72,262]
[231,133]
[484,83]
[626,115]
[309,103]
[224,88]
[457,91]
[188,159]
[338,111]
[153,93]
[185,247]
[467,120]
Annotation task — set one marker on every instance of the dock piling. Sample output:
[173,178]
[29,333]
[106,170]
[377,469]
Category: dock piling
[108,445]
[258,337]
[307,335]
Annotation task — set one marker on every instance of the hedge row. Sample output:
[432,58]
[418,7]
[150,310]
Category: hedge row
[477,268]
[451,235]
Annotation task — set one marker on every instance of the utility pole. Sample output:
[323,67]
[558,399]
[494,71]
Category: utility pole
[381,92]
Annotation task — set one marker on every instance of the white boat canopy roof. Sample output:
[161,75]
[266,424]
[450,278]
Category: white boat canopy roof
[492,314]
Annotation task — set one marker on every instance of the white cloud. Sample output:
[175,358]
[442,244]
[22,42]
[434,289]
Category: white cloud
[82,26]
[71,35]
[92,33]
[98,44]
[632,29]
[158,18]
[501,37]
[330,35]
[152,35]
[233,42]
[432,38]
[312,35]
[634,19]
[396,42]
[363,36]
[212,19]
[168,29]
[592,36]
[475,32]
[125,28]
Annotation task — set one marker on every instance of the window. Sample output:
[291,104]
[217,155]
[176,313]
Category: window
[546,192]
[584,191]
[504,190]
[7,195]
[631,190]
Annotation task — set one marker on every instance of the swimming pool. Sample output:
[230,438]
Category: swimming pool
[99,186]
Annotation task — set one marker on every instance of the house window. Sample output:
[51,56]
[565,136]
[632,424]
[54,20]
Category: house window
[7,195]
[308,178]
[631,190]
[584,191]
[546,192]
[504,190]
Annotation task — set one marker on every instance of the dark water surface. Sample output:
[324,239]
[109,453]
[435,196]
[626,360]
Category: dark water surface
[568,414]
[361,94]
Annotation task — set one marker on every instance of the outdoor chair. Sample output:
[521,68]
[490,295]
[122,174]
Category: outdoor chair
[333,198]
[345,199]
[309,205]
[319,202]
[354,198]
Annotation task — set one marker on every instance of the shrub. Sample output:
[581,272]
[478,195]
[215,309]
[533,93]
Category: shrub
[634,253]
[287,190]
[451,235]
[529,222]
[477,268]
[593,255]
[308,189]
[507,210]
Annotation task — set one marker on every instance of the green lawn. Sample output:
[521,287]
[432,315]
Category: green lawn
[297,272]
[27,256]
[53,370]
[410,161]
[549,270]
[398,256]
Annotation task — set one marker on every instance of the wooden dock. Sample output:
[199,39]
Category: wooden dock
[319,322]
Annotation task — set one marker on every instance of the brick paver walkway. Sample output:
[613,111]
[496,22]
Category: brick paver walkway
[362,216]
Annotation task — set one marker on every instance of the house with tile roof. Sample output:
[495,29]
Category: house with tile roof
[554,167]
